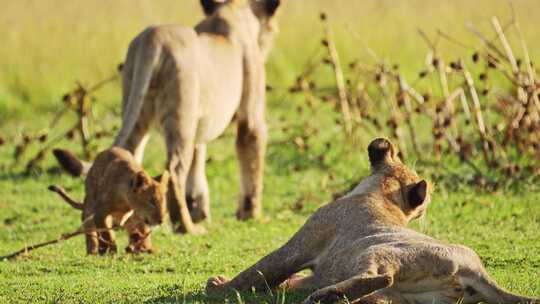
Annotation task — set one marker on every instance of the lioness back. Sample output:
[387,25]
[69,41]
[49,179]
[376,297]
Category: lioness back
[216,59]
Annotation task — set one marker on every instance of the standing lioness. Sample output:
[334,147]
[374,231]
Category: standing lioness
[358,247]
[190,83]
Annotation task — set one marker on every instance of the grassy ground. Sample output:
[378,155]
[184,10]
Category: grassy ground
[49,44]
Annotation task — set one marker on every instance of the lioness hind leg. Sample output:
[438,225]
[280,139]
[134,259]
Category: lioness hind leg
[251,148]
[352,289]
[198,197]
[180,137]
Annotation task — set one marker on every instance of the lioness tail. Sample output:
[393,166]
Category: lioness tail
[71,163]
[146,58]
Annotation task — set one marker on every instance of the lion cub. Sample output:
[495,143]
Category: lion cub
[119,192]
[358,247]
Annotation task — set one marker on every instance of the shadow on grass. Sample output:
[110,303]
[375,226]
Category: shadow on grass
[173,295]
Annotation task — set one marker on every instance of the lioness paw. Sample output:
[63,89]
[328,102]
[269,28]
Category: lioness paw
[216,285]
[197,230]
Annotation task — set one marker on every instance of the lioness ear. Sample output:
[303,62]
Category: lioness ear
[417,194]
[138,181]
[210,6]
[380,151]
[271,6]
[265,8]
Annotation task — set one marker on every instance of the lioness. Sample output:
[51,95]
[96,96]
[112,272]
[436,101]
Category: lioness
[119,192]
[191,82]
[358,247]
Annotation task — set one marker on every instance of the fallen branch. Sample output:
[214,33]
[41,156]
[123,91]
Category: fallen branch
[63,237]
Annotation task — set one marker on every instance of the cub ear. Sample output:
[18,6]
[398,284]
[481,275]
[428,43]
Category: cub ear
[210,6]
[138,181]
[380,151]
[417,194]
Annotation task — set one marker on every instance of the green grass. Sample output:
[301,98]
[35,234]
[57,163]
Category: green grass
[47,45]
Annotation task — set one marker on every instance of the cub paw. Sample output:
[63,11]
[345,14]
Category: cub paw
[217,285]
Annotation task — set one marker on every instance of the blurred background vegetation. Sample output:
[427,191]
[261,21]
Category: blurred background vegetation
[48,45]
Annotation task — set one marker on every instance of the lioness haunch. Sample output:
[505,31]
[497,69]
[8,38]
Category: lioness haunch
[358,247]
[119,192]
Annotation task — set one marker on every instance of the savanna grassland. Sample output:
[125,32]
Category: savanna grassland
[46,46]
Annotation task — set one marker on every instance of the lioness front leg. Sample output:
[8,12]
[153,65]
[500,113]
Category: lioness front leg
[272,270]
[268,273]
[251,146]
[180,139]
[296,255]
[352,289]
[198,197]
[251,137]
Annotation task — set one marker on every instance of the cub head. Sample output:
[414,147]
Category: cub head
[148,197]
[400,185]
[264,11]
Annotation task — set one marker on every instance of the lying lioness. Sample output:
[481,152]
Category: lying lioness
[119,192]
[358,247]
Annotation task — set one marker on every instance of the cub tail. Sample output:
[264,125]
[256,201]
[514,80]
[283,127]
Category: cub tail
[62,192]
[71,163]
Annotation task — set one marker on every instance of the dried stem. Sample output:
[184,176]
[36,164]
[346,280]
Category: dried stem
[478,112]
[408,113]
[506,45]
[487,43]
[340,80]
[530,70]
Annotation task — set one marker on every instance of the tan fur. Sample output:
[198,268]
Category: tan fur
[358,247]
[190,83]
[119,192]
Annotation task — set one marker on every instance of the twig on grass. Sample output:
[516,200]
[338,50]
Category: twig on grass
[63,237]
